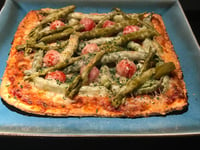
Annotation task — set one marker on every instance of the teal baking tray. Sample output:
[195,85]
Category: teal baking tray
[14,122]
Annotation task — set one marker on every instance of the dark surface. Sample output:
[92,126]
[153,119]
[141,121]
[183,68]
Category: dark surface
[192,11]
[101,143]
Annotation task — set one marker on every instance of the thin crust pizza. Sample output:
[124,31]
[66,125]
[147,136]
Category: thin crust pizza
[67,63]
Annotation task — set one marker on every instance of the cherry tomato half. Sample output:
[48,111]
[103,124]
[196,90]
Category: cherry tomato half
[90,48]
[56,75]
[108,23]
[57,23]
[93,75]
[126,68]
[51,58]
[129,29]
[88,23]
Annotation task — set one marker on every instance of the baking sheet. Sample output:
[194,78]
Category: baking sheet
[13,122]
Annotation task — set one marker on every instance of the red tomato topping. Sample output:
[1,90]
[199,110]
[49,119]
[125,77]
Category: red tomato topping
[90,48]
[126,68]
[88,23]
[57,23]
[56,75]
[129,29]
[108,23]
[51,58]
[93,75]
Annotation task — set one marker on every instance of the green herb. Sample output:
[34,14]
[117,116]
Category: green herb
[7,85]
[58,82]
[151,97]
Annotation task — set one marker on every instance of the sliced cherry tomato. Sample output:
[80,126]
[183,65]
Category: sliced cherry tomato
[108,23]
[129,29]
[93,75]
[90,48]
[88,23]
[126,68]
[51,58]
[57,23]
[56,75]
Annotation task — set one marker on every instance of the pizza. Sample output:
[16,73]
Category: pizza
[115,64]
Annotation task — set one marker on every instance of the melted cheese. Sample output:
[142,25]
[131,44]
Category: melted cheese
[53,86]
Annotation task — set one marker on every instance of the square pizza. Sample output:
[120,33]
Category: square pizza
[115,64]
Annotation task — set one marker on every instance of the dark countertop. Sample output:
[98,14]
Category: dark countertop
[192,11]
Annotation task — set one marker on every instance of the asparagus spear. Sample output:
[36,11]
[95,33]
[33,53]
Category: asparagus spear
[116,56]
[102,32]
[74,87]
[48,32]
[48,11]
[148,87]
[105,77]
[51,17]
[57,36]
[131,85]
[134,83]
[42,46]
[135,46]
[164,69]
[57,15]
[71,47]
[78,15]
[121,40]
[59,33]
[147,61]
[139,35]
[89,66]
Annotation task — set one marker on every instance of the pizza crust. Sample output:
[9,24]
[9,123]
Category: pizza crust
[52,104]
